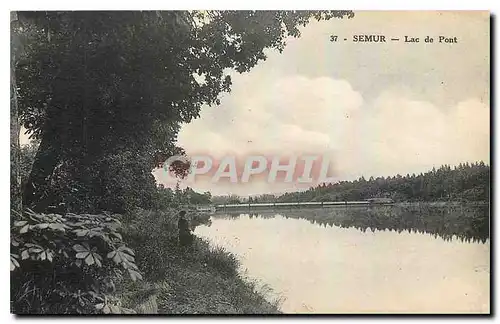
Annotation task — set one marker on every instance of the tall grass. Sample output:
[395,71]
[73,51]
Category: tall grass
[203,279]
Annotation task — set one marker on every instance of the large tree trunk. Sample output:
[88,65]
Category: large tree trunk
[45,162]
[15,163]
[47,155]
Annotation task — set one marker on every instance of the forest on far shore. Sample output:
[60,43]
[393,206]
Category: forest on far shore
[466,182]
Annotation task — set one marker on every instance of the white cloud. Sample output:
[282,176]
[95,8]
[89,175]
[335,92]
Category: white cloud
[376,109]
[403,135]
[294,114]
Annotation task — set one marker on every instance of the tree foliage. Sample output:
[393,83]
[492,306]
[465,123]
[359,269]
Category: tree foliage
[99,83]
[167,198]
[68,264]
[465,182]
[104,95]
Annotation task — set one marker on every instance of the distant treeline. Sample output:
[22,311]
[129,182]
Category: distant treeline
[468,182]
[167,197]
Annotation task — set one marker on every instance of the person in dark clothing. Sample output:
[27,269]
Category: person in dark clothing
[185,236]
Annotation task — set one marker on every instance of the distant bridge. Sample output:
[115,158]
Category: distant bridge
[311,204]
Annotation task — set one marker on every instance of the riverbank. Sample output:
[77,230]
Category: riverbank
[201,280]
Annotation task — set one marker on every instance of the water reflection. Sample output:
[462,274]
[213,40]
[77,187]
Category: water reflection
[467,223]
[334,261]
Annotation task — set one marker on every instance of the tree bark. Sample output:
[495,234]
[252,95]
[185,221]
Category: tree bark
[15,163]
[47,155]
[45,162]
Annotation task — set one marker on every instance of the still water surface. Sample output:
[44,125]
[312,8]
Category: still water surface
[327,267]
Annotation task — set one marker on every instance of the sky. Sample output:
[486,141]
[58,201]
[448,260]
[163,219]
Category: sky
[373,109]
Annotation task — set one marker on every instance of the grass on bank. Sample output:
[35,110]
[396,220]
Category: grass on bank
[201,280]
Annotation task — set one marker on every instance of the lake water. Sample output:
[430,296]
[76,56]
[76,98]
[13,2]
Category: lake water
[324,261]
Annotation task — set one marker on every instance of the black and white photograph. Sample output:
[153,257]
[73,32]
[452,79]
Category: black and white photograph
[249,162]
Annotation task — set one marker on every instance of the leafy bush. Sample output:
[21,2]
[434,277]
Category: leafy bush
[68,264]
